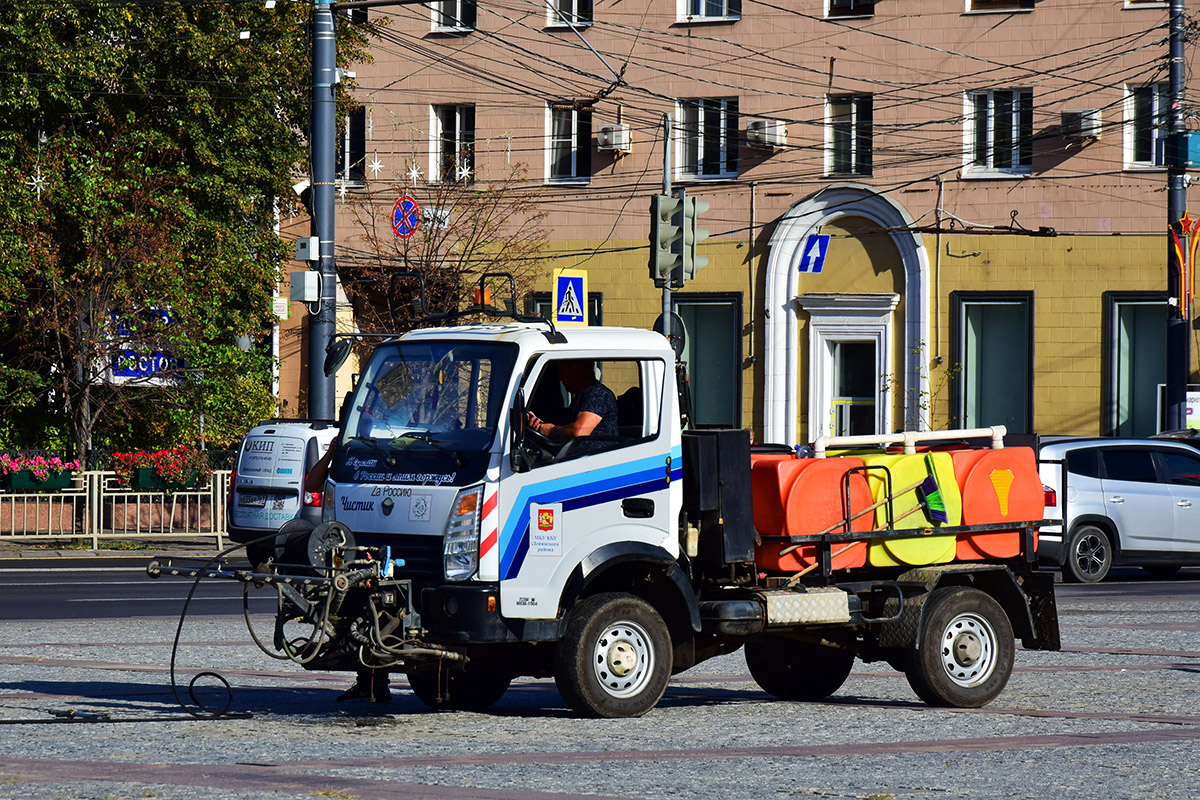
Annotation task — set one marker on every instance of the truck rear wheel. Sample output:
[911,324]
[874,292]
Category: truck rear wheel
[965,654]
[458,690]
[615,658]
[795,670]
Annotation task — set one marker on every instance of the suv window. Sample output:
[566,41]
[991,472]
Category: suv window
[1182,469]
[1129,465]
[1084,462]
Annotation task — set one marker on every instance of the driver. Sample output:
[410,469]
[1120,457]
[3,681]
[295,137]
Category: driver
[593,410]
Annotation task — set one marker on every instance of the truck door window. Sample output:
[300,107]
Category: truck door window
[634,407]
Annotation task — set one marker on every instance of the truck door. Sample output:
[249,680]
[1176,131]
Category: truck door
[577,496]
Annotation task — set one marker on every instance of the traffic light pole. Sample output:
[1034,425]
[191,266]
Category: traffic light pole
[666,292]
[321,389]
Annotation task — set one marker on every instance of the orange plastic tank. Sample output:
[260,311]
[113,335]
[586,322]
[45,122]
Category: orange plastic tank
[997,486]
[813,503]
[771,478]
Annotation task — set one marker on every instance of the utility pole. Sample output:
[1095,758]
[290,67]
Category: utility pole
[321,389]
[666,292]
[1178,340]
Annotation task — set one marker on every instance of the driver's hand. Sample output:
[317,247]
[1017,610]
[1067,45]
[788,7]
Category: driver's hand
[532,421]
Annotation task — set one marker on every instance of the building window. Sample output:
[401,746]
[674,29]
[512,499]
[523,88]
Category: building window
[1000,5]
[1135,361]
[713,354]
[999,131]
[701,10]
[568,12]
[993,341]
[848,133]
[1146,122]
[569,150]
[708,137]
[452,156]
[352,148]
[453,15]
[850,8]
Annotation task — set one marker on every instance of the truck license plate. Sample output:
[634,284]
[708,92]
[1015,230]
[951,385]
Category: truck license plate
[252,500]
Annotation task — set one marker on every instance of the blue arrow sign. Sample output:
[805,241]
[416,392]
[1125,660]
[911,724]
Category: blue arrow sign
[813,257]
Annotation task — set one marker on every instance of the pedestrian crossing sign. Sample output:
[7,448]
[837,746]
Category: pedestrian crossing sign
[570,297]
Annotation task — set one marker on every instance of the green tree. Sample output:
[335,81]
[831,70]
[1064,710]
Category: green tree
[145,152]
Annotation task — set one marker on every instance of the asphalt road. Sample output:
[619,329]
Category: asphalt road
[110,587]
[1115,714]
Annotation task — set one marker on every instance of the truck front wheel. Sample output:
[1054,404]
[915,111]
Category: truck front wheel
[615,658]
[965,653]
[795,670]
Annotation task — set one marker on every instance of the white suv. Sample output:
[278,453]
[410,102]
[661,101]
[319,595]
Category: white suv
[266,489]
[1126,501]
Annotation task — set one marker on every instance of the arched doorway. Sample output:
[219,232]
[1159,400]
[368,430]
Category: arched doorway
[860,316]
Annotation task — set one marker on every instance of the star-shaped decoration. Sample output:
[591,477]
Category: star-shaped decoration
[342,191]
[37,182]
[1186,223]
[414,174]
[375,166]
[463,172]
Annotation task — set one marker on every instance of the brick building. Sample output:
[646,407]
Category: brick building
[989,177]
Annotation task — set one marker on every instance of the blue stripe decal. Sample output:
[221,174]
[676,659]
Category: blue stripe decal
[579,491]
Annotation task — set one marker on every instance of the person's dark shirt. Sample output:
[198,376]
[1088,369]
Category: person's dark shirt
[599,400]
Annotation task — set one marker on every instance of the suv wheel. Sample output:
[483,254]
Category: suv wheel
[1089,555]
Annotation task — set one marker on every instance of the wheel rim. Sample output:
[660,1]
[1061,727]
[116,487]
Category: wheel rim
[1090,554]
[623,659]
[968,650]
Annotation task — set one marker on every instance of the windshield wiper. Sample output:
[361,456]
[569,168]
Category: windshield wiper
[432,442]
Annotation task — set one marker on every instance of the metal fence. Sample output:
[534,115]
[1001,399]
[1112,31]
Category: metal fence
[97,506]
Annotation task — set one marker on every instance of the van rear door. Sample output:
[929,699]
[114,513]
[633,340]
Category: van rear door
[270,481]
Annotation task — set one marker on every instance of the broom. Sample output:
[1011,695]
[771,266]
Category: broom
[930,495]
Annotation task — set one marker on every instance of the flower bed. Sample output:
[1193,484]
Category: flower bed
[23,473]
[178,468]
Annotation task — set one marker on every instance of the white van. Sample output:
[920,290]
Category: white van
[267,486]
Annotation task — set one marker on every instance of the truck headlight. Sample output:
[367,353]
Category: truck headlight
[461,548]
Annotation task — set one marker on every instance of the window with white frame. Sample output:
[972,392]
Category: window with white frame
[850,8]
[999,131]
[453,15]
[569,145]
[708,137]
[701,10]
[1146,121]
[352,149]
[564,12]
[848,134]
[452,151]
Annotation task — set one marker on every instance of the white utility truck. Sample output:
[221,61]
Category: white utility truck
[462,548]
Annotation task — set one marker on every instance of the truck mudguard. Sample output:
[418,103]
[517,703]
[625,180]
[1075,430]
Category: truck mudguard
[603,561]
[996,580]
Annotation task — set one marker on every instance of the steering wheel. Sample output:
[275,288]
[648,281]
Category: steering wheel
[543,447]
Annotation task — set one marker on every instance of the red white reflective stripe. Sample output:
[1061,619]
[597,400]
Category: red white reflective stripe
[489,553]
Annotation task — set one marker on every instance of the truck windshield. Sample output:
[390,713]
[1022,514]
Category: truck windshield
[444,394]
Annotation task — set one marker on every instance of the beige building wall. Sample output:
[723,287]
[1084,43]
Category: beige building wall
[782,64]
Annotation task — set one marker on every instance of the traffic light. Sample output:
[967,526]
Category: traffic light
[666,236]
[692,236]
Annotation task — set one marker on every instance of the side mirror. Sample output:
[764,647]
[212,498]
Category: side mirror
[335,355]
[516,425]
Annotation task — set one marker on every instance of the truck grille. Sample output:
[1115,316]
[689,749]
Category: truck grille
[422,554]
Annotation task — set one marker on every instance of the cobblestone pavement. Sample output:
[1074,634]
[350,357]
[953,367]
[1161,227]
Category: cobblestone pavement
[86,711]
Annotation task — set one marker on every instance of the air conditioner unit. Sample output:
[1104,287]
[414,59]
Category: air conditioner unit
[1083,124]
[766,133]
[614,137]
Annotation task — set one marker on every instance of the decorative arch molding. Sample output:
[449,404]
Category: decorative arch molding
[781,398]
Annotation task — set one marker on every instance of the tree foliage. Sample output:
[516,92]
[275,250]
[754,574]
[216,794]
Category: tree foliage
[145,152]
